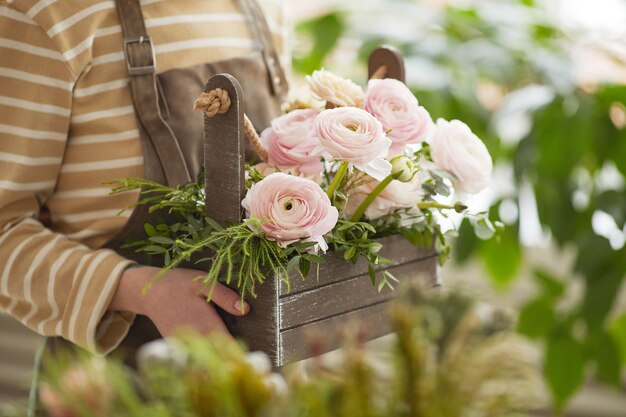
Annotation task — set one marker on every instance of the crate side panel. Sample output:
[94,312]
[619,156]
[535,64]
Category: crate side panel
[336,268]
[351,294]
[327,335]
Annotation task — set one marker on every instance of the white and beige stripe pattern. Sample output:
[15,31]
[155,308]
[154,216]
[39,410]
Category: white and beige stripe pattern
[67,124]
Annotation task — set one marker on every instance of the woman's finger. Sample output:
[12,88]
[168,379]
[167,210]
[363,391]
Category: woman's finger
[227,299]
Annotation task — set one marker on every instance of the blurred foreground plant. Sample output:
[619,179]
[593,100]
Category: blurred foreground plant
[451,358]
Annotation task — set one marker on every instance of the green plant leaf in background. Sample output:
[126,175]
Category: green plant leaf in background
[564,366]
[618,330]
[607,357]
[536,319]
[502,257]
[324,33]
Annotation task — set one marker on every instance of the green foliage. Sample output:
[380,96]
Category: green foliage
[235,253]
[564,365]
[324,33]
[456,54]
[450,359]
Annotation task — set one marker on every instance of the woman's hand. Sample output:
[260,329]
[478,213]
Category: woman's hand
[174,302]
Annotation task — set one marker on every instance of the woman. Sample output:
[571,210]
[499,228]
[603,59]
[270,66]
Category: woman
[88,94]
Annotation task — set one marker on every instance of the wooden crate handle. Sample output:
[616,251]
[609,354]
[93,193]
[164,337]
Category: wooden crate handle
[224,154]
[386,62]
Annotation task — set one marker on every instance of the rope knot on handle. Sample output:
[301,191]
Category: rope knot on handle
[217,101]
[213,102]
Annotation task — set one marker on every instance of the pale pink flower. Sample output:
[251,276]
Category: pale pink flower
[331,88]
[391,102]
[267,169]
[397,195]
[353,135]
[291,208]
[454,148]
[292,143]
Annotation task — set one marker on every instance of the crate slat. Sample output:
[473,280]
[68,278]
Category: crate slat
[301,342]
[346,295]
[337,269]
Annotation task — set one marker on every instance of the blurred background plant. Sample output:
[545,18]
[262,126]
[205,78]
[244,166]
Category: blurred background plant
[549,101]
[451,358]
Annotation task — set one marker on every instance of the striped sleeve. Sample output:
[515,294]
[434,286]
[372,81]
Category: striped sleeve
[53,285]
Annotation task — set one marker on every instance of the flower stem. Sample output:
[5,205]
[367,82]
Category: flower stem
[371,196]
[434,204]
[341,172]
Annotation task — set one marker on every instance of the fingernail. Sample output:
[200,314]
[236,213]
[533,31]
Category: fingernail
[242,306]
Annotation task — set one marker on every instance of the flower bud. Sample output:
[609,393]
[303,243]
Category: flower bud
[403,168]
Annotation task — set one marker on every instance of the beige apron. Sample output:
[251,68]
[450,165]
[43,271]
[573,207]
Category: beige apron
[172,133]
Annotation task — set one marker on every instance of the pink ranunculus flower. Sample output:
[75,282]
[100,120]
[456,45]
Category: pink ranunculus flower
[454,148]
[353,135]
[292,143]
[291,208]
[397,195]
[391,102]
[267,169]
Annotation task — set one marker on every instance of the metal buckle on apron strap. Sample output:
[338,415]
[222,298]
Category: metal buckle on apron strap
[149,67]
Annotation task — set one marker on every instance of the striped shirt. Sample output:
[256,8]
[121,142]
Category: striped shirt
[67,124]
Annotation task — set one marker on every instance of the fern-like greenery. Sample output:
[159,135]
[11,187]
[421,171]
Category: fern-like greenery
[231,254]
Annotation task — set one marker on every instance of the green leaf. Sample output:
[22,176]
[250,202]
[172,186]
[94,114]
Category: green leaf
[372,273]
[293,263]
[536,319]
[374,247]
[502,258]
[325,32]
[150,230]
[618,330]
[313,258]
[154,250]
[564,367]
[552,288]
[305,267]
[607,356]
[349,253]
[345,226]
[215,225]
[161,239]
[466,243]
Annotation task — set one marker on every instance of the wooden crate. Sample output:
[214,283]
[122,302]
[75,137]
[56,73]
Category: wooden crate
[284,323]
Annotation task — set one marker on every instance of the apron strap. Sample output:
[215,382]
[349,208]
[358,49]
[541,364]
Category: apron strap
[141,63]
[261,31]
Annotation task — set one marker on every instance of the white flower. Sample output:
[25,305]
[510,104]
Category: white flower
[260,362]
[162,351]
[301,97]
[336,90]
[454,148]
[276,382]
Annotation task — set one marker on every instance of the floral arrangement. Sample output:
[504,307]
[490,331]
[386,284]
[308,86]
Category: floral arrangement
[344,167]
[451,357]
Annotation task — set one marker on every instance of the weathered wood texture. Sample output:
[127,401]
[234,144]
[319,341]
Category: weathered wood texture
[282,322]
[224,154]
